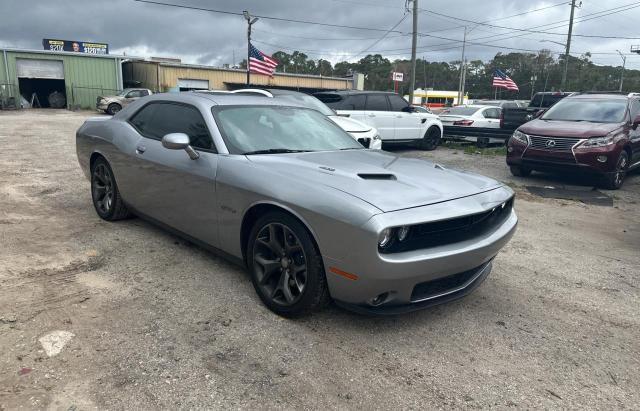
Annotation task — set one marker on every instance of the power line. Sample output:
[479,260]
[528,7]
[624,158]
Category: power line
[633,5]
[383,36]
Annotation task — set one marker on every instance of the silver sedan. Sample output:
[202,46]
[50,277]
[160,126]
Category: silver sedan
[284,191]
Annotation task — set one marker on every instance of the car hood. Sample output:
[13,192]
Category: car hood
[576,129]
[384,180]
[350,125]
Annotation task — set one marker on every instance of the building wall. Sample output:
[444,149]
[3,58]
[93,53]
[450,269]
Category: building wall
[219,79]
[86,77]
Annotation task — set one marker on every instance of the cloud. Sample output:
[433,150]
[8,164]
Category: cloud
[210,38]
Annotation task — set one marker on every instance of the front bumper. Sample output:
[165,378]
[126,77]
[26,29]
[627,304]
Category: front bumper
[102,106]
[368,139]
[405,278]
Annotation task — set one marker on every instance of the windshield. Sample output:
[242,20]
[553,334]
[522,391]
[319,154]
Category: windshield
[460,111]
[593,110]
[307,101]
[124,92]
[246,129]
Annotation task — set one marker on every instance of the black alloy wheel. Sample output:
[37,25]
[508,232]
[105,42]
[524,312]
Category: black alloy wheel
[285,266]
[431,139]
[104,192]
[113,108]
[613,181]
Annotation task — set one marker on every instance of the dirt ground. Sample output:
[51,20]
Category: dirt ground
[152,322]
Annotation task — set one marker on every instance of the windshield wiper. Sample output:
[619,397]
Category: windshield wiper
[275,151]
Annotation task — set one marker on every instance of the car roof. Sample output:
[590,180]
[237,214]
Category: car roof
[218,99]
[353,92]
[599,96]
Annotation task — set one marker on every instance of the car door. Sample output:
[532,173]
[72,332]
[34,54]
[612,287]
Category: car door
[353,107]
[379,115]
[408,124]
[167,185]
[490,117]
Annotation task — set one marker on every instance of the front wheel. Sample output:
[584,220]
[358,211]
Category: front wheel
[113,109]
[431,139]
[613,181]
[286,267]
[104,192]
[520,171]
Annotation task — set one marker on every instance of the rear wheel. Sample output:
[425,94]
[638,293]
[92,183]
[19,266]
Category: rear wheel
[613,181]
[286,268]
[520,171]
[113,108]
[431,139]
[104,192]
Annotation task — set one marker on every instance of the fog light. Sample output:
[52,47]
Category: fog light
[509,149]
[602,159]
[385,237]
[403,232]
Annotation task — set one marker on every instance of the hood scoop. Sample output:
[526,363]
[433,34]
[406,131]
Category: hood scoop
[377,176]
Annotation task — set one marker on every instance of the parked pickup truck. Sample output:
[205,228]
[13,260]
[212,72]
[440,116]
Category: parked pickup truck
[513,118]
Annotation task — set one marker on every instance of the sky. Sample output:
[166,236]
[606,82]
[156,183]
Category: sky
[200,37]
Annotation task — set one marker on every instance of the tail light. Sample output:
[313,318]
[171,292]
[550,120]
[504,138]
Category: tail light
[463,123]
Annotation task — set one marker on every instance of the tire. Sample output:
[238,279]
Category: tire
[520,171]
[431,139]
[113,108]
[287,272]
[613,181]
[104,193]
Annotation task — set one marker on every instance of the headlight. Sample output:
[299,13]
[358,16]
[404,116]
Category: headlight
[607,140]
[385,237]
[377,137]
[520,137]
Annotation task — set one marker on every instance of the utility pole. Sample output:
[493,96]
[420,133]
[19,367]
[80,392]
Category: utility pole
[624,63]
[462,69]
[414,41]
[568,49]
[250,23]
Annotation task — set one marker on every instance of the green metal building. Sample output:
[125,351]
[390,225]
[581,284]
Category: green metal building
[33,75]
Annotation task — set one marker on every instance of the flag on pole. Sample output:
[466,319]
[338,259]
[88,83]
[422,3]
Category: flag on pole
[260,63]
[501,80]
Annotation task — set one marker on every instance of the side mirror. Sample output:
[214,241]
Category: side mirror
[636,122]
[539,113]
[179,141]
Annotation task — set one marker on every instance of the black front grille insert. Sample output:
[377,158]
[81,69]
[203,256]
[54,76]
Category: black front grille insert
[451,231]
[445,285]
[564,144]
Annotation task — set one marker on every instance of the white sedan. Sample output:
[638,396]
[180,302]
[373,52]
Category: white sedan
[472,116]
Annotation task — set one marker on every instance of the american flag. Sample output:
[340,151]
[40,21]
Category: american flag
[261,63]
[501,80]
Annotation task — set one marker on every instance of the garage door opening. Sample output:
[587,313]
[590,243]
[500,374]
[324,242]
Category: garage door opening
[192,84]
[41,82]
[49,93]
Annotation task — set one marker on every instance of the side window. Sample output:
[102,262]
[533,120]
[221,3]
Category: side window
[133,94]
[492,113]
[159,119]
[355,102]
[377,102]
[144,93]
[397,102]
[634,109]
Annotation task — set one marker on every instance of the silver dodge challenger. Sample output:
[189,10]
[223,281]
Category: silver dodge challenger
[282,190]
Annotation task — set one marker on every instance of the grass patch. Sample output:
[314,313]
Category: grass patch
[470,148]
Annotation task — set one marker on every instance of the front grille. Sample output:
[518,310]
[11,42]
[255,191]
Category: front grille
[451,231]
[366,142]
[553,143]
[445,285]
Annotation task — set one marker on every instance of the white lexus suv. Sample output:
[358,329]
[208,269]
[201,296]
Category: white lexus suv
[396,120]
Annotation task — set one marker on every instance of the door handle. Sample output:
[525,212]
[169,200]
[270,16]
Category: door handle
[140,149]
[371,115]
[398,116]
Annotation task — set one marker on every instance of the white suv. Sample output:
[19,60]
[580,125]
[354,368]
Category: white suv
[395,119]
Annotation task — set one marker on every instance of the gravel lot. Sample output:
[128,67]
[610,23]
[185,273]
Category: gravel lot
[159,323]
